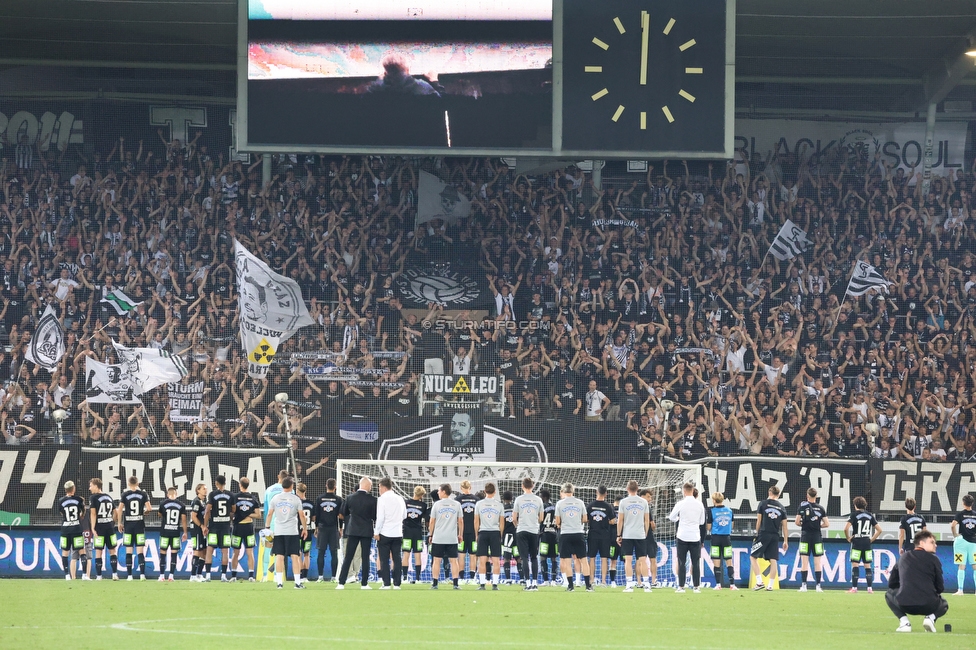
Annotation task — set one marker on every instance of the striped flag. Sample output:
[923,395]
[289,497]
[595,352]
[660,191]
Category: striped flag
[122,303]
[865,278]
[790,242]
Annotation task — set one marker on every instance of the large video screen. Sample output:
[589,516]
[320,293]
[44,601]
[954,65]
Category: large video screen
[399,75]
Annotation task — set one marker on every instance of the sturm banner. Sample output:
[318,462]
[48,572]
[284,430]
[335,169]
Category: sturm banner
[901,144]
[451,285]
[185,401]
[745,481]
[938,488]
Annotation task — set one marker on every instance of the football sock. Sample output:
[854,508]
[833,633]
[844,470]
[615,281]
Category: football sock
[818,575]
[869,576]
[250,573]
[855,576]
[207,567]
[434,581]
[223,569]
[455,582]
[586,579]
[129,561]
[613,576]
[97,565]
[565,578]
[904,620]
[142,563]
[416,571]
[961,577]
[403,571]
[508,571]
[279,577]
[113,563]
[66,561]
[494,578]
[569,580]
[730,572]
[169,563]
[803,576]
[233,574]
[84,565]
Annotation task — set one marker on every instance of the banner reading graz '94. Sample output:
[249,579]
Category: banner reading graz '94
[938,488]
[745,481]
[182,467]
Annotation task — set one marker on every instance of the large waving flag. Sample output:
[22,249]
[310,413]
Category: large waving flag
[865,278]
[122,303]
[790,242]
[272,310]
[438,200]
[47,345]
[151,367]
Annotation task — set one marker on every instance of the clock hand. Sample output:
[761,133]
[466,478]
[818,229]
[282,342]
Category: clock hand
[645,29]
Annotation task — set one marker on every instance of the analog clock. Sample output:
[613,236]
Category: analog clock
[645,76]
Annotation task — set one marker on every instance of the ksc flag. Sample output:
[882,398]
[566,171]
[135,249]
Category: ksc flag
[47,345]
[109,384]
[151,367]
[122,303]
[865,278]
[271,308]
[438,200]
[790,242]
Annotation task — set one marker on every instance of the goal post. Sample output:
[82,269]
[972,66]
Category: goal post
[664,480]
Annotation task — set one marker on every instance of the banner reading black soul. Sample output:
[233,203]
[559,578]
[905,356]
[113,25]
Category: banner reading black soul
[938,488]
[745,481]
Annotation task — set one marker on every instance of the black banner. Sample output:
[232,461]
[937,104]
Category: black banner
[745,481]
[31,480]
[458,284]
[938,488]
[159,468]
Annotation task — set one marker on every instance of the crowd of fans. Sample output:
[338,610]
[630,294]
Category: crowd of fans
[648,289]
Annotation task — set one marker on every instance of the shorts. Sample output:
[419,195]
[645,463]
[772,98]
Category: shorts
[572,544]
[169,541]
[134,535]
[721,547]
[509,549]
[600,544]
[468,546]
[307,544]
[549,545]
[527,544]
[635,547]
[243,535]
[766,547]
[811,545]
[198,540]
[861,552]
[963,552]
[489,544]
[105,538]
[219,538]
[412,544]
[72,541]
[286,545]
[444,551]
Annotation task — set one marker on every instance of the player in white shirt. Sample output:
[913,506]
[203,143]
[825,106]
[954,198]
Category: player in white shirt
[689,514]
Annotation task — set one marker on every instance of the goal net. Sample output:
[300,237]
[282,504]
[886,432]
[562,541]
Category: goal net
[664,481]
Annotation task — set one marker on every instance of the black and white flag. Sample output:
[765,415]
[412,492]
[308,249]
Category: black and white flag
[790,242]
[109,384]
[47,345]
[151,367]
[865,278]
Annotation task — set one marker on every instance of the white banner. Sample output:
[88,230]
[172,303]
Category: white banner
[438,200]
[271,308]
[109,384]
[902,144]
[47,345]
[185,401]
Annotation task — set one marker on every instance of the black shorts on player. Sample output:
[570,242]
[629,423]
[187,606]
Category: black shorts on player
[243,536]
[307,544]
[72,539]
[600,544]
[633,547]
[105,537]
[509,549]
[861,551]
[412,545]
[549,545]
[469,545]
[198,540]
[573,544]
[134,534]
[489,543]
[169,541]
[721,547]
[286,545]
[650,545]
[812,545]
[444,551]
[219,538]
[766,547]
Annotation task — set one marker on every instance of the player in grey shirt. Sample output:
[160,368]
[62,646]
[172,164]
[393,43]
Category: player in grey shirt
[570,517]
[285,512]
[526,515]
[489,514]
[633,520]
[446,532]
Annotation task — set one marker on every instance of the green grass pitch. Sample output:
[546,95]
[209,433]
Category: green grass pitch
[58,614]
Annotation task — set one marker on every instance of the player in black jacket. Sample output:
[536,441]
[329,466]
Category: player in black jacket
[915,585]
[329,529]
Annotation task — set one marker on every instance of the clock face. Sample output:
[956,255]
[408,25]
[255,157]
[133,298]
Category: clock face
[644,76]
